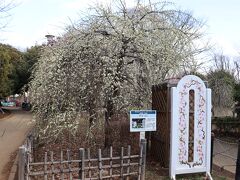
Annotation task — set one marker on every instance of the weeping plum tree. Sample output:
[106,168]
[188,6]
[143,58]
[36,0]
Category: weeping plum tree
[107,62]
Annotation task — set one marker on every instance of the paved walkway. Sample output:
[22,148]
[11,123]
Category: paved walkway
[225,155]
[13,130]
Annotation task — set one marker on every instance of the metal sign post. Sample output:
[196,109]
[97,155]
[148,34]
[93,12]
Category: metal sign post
[142,121]
[142,135]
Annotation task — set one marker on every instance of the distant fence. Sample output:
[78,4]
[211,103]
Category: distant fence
[83,167]
[230,151]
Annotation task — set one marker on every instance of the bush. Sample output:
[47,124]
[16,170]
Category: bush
[229,126]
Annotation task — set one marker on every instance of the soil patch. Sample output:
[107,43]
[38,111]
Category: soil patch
[6,113]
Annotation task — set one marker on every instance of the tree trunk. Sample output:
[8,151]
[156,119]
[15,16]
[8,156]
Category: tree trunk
[108,116]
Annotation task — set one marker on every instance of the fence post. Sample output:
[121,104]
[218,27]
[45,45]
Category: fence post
[21,162]
[100,164]
[212,145]
[144,153]
[82,164]
[237,177]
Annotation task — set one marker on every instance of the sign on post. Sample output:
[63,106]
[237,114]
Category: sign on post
[143,120]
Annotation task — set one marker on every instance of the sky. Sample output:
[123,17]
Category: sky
[31,20]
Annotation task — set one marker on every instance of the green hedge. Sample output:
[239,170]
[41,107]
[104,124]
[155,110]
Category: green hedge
[227,125]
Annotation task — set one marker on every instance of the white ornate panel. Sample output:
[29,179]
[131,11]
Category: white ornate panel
[180,127]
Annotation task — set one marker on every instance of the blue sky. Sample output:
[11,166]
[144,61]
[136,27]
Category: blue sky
[31,20]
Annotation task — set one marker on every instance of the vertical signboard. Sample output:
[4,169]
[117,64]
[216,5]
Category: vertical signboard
[190,127]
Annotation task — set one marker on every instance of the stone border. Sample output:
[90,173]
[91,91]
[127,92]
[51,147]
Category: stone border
[223,172]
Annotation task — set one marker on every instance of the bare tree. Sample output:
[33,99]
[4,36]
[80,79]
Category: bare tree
[5,7]
[237,69]
[222,78]
[222,62]
[227,63]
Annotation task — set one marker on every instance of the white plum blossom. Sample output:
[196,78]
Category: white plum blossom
[107,63]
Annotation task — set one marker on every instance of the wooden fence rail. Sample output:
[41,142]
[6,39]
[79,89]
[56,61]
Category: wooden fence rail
[84,167]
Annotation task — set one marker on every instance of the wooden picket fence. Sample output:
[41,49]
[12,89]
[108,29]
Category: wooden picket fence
[125,166]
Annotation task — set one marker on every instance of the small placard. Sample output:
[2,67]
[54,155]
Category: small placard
[143,120]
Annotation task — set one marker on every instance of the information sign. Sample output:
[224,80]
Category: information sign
[143,120]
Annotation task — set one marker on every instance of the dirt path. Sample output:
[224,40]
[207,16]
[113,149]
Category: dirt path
[13,130]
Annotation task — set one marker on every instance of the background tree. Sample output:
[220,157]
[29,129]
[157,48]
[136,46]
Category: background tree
[16,68]
[30,57]
[222,84]
[5,69]
[221,79]
[11,64]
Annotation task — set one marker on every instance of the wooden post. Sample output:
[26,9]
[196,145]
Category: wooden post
[52,166]
[69,164]
[212,145]
[237,177]
[21,163]
[61,166]
[27,162]
[82,164]
[100,164]
[144,153]
[128,161]
[140,163]
[89,164]
[45,167]
[111,162]
[121,164]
